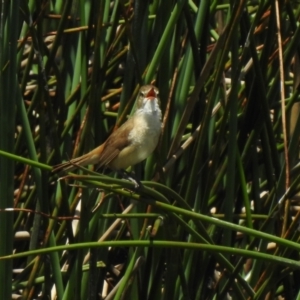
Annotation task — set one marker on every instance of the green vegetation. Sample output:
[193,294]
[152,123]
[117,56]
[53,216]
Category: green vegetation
[218,213]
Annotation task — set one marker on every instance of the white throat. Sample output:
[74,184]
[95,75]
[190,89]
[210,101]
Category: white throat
[150,107]
[146,128]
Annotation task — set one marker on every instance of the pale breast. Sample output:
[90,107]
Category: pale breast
[143,137]
[143,140]
[146,130]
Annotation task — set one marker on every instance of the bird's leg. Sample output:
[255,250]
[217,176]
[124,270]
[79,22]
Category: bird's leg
[128,176]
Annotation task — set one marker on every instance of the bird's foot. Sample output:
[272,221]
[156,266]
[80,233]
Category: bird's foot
[128,176]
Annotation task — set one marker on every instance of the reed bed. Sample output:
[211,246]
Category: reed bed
[217,216]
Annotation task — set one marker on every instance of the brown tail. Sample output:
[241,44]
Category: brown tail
[90,158]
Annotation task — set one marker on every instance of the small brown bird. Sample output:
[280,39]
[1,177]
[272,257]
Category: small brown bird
[132,142]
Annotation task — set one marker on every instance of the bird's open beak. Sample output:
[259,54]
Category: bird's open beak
[151,94]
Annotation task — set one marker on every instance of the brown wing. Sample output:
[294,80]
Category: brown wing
[115,143]
[103,154]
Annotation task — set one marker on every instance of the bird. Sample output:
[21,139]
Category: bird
[132,142]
